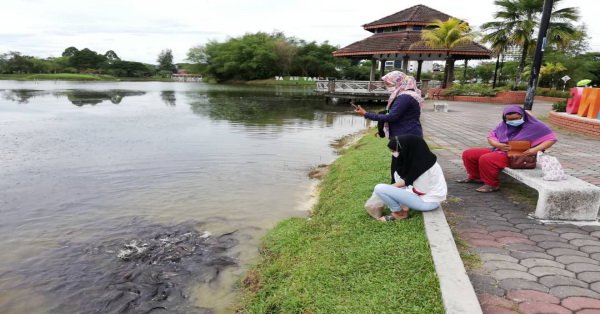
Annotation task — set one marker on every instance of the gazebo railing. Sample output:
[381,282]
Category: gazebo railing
[352,87]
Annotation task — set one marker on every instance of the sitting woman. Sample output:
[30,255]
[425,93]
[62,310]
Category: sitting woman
[415,166]
[483,165]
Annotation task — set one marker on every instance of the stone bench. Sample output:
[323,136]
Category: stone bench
[571,199]
[440,107]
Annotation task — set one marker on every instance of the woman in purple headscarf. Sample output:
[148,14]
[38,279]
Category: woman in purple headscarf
[403,109]
[483,165]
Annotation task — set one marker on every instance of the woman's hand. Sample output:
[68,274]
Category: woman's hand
[399,184]
[360,110]
[530,152]
[503,147]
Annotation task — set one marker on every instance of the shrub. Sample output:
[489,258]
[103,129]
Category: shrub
[475,90]
[552,93]
[560,106]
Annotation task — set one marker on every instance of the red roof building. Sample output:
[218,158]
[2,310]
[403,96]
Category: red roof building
[394,36]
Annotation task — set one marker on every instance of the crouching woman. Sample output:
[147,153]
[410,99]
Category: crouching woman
[420,183]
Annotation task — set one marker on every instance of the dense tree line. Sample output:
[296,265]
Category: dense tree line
[87,61]
[262,55]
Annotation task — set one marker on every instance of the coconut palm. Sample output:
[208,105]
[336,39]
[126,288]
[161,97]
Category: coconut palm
[447,35]
[517,20]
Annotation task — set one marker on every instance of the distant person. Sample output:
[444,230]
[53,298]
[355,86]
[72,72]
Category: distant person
[420,182]
[483,165]
[403,109]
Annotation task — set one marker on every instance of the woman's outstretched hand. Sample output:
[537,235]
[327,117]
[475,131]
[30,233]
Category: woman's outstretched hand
[360,110]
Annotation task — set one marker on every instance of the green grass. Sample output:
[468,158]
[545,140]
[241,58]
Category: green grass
[341,260]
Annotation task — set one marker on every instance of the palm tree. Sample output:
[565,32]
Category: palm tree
[447,35]
[516,22]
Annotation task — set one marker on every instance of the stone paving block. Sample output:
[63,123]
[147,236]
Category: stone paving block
[547,238]
[502,274]
[556,245]
[518,221]
[500,234]
[477,236]
[595,256]
[554,281]
[591,229]
[514,215]
[482,242]
[488,299]
[549,271]
[563,292]
[521,296]
[502,228]
[559,252]
[584,242]
[589,276]
[579,303]
[470,230]
[541,262]
[595,286]
[540,232]
[595,234]
[512,240]
[570,259]
[489,249]
[530,226]
[588,311]
[487,257]
[521,284]
[590,249]
[488,222]
[524,247]
[583,267]
[573,236]
[562,230]
[541,308]
[521,255]
[494,265]
[492,309]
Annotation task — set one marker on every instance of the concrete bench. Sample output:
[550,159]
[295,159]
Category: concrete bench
[571,199]
[440,107]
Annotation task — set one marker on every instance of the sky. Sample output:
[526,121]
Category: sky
[138,30]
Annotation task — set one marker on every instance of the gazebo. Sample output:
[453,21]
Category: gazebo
[393,38]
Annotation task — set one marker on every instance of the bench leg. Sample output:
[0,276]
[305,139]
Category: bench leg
[574,205]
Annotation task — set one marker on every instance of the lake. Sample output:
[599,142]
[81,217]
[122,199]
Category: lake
[150,196]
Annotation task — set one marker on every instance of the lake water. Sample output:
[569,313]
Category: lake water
[89,171]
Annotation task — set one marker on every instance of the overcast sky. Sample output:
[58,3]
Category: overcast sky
[138,30]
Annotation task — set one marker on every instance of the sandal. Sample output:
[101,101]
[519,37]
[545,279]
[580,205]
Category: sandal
[469,181]
[391,217]
[487,189]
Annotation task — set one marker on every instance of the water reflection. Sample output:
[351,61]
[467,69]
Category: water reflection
[168,97]
[21,96]
[89,97]
[76,97]
[256,108]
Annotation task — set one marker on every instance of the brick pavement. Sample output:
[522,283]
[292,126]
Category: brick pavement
[525,266]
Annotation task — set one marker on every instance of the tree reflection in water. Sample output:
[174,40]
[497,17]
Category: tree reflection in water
[88,97]
[168,97]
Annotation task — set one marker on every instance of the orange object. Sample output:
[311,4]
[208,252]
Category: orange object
[590,103]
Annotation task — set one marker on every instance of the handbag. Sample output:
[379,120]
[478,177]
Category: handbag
[516,158]
[551,167]
[381,124]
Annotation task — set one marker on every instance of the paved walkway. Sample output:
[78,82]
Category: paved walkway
[525,266]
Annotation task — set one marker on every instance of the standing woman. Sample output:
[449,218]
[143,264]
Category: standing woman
[484,164]
[416,166]
[403,108]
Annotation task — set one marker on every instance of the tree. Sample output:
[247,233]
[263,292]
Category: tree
[69,52]
[447,35]
[165,61]
[111,56]
[516,22]
[87,60]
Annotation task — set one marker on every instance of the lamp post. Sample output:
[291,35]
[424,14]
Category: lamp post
[539,54]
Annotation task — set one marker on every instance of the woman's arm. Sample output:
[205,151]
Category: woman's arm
[399,184]
[399,107]
[498,145]
[542,146]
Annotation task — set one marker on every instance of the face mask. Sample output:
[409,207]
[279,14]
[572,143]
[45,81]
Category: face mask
[515,122]
[396,154]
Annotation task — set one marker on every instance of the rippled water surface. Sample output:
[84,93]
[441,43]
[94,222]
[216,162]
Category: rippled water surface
[92,171]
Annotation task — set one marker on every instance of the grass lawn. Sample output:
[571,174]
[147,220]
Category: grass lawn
[341,260]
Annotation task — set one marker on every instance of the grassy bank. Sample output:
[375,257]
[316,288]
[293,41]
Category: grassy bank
[341,260]
[78,77]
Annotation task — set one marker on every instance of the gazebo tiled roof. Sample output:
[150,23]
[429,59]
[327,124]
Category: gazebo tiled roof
[396,44]
[417,15]
[400,43]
